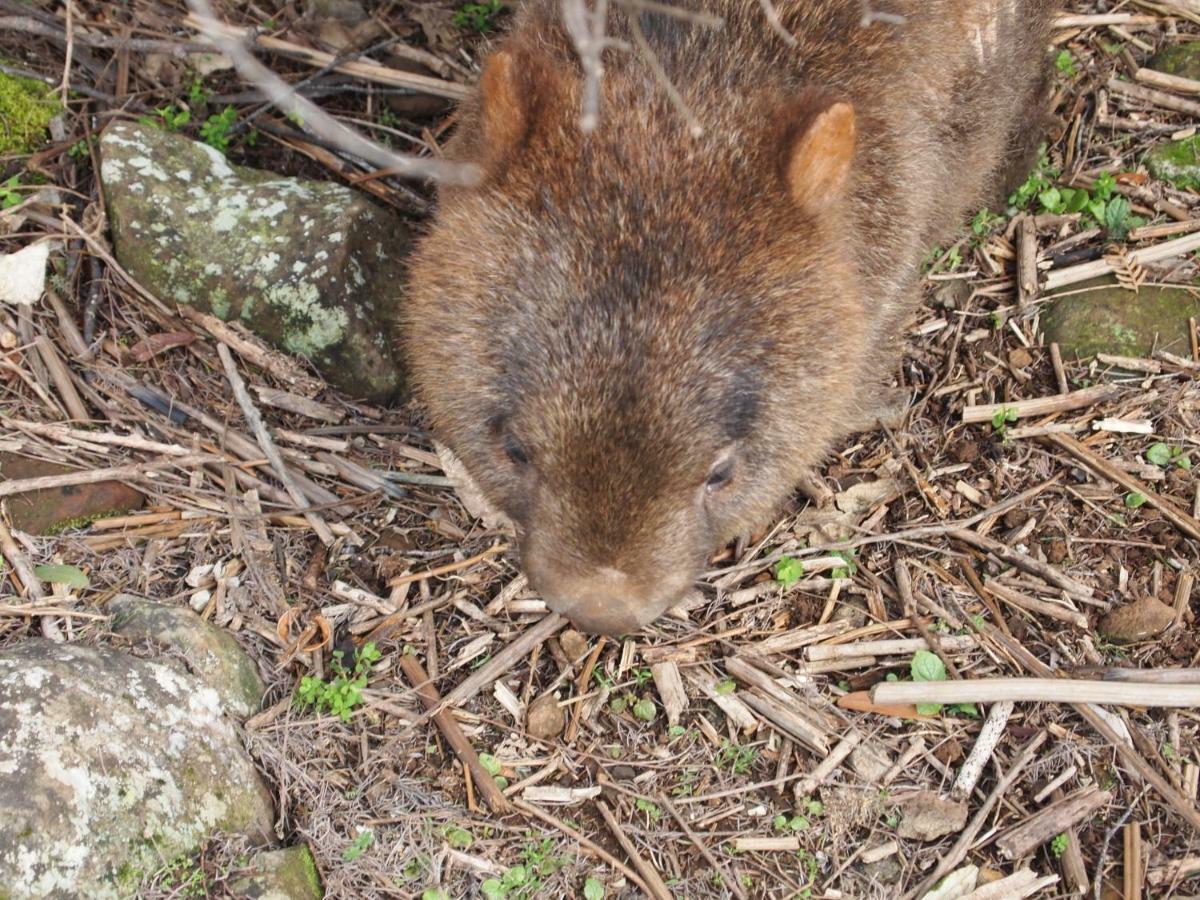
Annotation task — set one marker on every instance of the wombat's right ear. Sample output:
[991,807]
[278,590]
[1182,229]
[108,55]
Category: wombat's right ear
[818,167]
[516,84]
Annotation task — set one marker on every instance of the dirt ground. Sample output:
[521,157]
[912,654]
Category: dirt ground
[731,749]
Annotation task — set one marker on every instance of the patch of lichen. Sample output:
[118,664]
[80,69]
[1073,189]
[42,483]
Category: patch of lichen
[26,108]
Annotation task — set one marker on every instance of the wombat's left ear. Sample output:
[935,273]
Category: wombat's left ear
[517,86]
[818,168]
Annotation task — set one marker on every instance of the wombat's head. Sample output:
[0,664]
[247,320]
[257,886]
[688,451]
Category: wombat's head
[634,340]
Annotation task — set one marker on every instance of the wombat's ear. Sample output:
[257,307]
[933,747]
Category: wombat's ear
[818,167]
[515,85]
[503,115]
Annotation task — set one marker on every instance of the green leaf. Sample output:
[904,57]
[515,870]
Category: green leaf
[434,894]
[1133,500]
[780,822]
[928,666]
[726,686]
[71,576]
[1065,62]
[929,709]
[1116,217]
[364,840]
[788,571]
[1184,462]
[492,889]
[490,763]
[1051,200]
[592,889]
[1075,200]
[967,709]
[459,838]
[1159,454]
[645,710]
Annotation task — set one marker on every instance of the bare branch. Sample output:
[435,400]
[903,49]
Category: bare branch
[870,17]
[587,31]
[316,119]
[772,15]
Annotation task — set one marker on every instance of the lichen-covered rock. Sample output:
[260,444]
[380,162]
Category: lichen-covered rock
[1108,318]
[108,766]
[1176,162]
[311,267]
[288,874]
[211,653]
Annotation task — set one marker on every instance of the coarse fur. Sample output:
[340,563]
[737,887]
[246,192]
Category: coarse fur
[636,340]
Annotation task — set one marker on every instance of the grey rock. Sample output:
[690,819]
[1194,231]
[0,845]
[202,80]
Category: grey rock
[288,874]
[108,766]
[212,654]
[928,817]
[1137,621]
[311,267]
[1112,319]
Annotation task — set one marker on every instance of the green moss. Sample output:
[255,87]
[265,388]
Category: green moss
[1178,59]
[311,876]
[81,522]
[26,108]
[1177,162]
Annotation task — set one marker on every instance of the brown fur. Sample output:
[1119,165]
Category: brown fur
[612,322]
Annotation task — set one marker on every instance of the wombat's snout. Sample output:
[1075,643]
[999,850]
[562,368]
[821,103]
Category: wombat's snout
[601,601]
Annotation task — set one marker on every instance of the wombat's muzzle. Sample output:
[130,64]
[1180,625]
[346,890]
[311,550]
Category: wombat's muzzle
[605,601]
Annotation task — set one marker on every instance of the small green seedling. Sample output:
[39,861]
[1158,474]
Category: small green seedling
[1002,418]
[788,571]
[216,129]
[1065,63]
[343,694]
[848,570]
[478,17]
[650,809]
[9,195]
[593,889]
[726,686]
[1134,500]
[366,837]
[736,758]
[1165,456]
[1058,846]
[928,666]
[645,710]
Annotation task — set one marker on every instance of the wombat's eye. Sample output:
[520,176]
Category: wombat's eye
[514,451]
[719,475]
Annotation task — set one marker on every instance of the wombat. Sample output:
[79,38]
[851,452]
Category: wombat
[637,338]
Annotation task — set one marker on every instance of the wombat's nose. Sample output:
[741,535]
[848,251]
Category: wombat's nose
[605,601]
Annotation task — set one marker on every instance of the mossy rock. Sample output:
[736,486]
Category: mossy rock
[1100,316]
[1178,59]
[109,765]
[311,267]
[26,108]
[212,654]
[288,874]
[1176,162]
